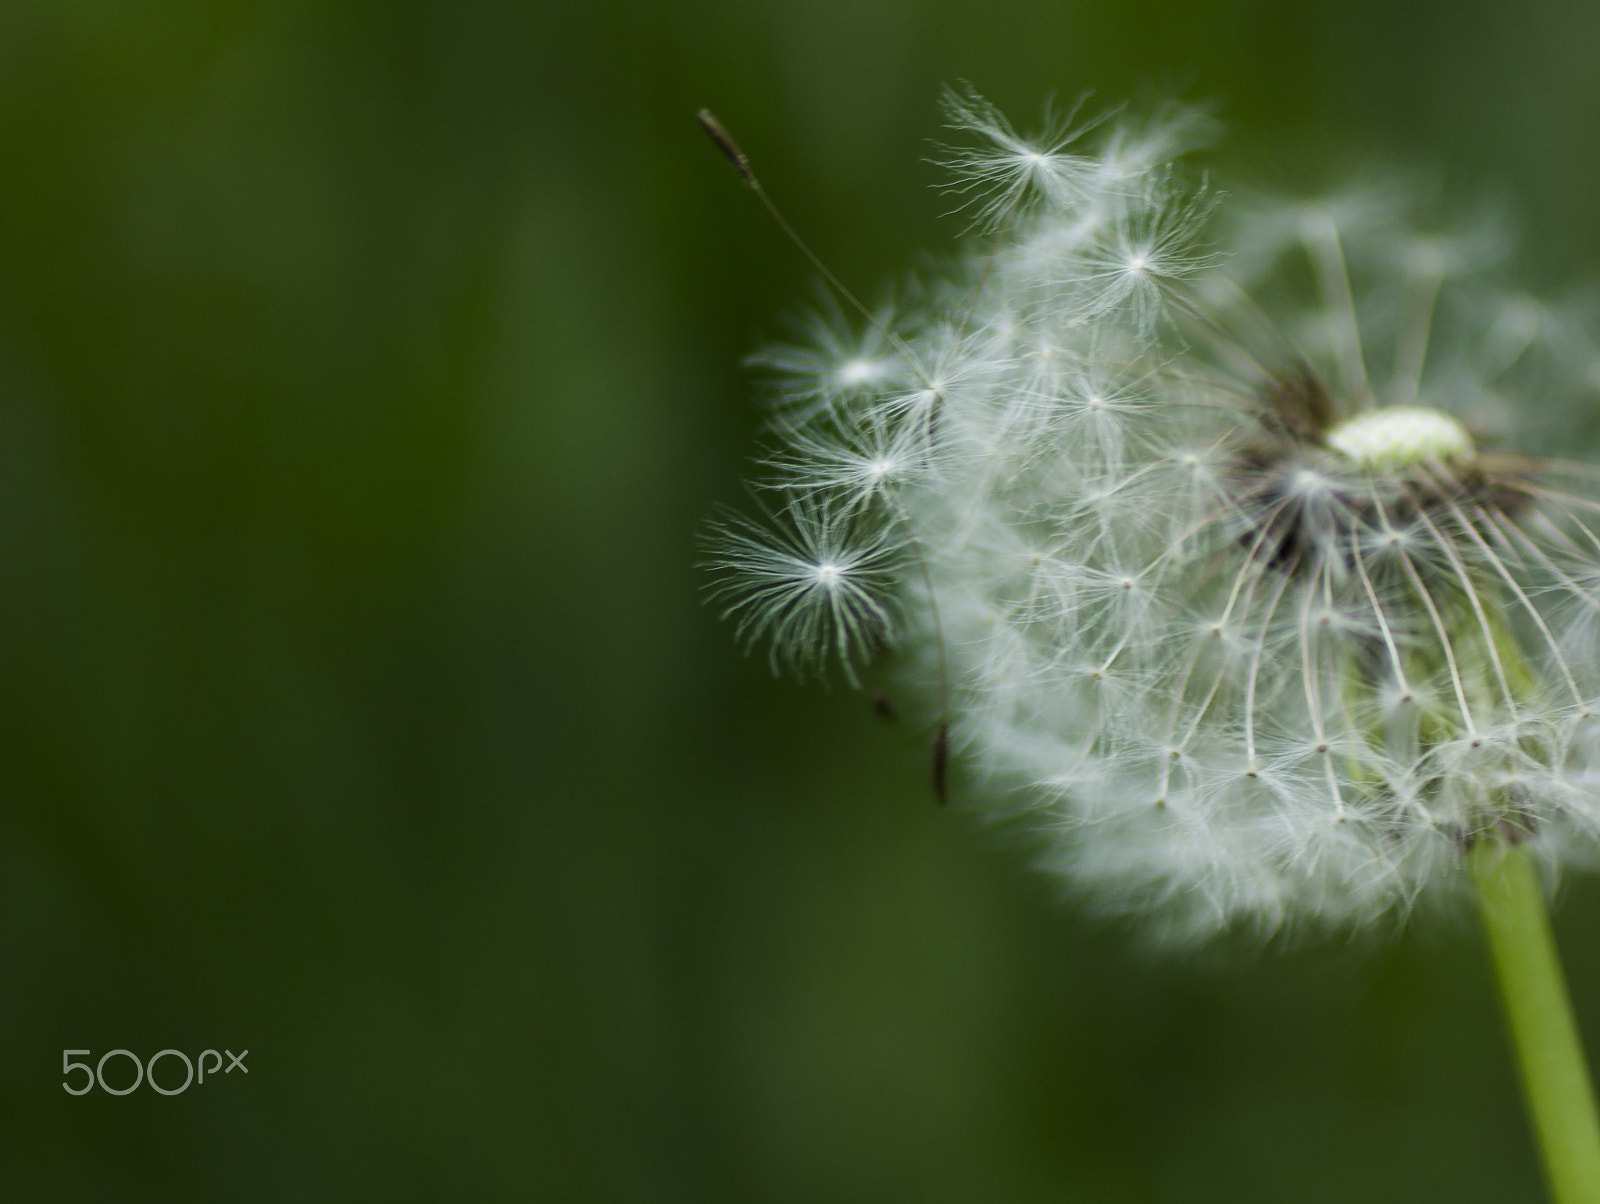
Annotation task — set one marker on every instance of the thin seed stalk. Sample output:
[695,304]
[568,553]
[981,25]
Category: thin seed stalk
[1544,1036]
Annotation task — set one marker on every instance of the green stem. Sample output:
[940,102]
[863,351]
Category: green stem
[1555,1077]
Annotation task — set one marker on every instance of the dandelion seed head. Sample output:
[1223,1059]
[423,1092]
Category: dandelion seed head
[1183,511]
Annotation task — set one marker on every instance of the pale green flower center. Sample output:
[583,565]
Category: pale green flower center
[1399,436]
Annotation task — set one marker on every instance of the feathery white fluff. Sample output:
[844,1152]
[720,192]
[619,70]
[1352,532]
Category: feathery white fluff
[1205,525]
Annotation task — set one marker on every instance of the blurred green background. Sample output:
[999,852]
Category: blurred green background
[366,370]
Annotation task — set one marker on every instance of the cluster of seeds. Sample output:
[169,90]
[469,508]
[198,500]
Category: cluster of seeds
[1199,521]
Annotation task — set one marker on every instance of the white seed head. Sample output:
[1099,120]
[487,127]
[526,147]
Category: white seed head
[1172,507]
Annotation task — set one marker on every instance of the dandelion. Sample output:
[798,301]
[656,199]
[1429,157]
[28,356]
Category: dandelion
[1231,541]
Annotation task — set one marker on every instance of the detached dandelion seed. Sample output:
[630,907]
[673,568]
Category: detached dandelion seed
[814,583]
[1206,528]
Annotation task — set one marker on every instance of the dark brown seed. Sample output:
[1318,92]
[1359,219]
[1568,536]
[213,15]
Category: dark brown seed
[940,762]
[725,143]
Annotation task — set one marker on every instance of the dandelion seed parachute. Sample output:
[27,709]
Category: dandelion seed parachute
[1220,523]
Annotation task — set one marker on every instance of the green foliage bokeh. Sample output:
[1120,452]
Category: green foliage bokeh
[366,371]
